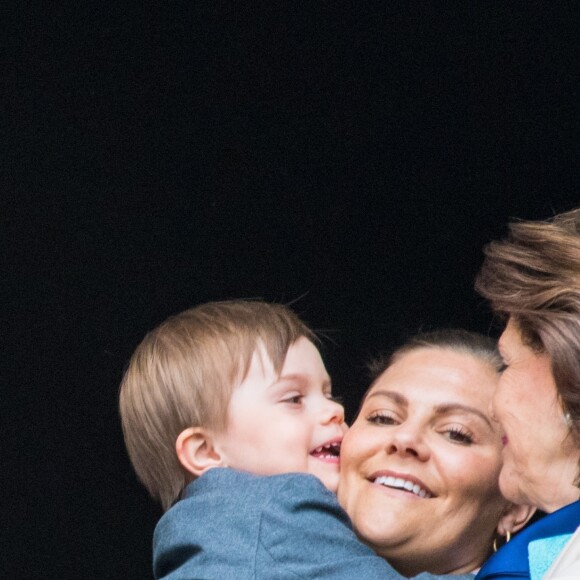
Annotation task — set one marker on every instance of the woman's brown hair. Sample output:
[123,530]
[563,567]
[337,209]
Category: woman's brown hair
[533,278]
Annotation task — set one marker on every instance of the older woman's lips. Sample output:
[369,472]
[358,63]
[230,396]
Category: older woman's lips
[504,440]
[402,482]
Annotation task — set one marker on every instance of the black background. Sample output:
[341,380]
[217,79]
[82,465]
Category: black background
[350,160]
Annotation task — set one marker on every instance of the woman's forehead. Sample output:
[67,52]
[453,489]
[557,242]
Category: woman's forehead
[437,373]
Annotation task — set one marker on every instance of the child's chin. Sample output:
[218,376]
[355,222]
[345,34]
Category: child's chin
[329,479]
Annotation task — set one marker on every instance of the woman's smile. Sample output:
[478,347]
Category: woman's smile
[424,455]
[402,482]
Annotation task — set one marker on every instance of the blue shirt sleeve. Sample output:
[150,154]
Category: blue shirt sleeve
[237,526]
[305,528]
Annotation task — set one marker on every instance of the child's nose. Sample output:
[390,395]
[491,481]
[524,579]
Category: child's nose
[333,412]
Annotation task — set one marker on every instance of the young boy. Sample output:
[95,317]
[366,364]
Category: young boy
[216,397]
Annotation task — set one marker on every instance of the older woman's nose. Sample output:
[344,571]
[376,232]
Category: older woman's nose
[407,440]
[490,411]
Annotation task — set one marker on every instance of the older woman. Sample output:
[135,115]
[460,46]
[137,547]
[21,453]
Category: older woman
[420,464]
[533,279]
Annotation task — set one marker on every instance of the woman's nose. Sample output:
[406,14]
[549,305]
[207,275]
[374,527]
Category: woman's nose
[407,440]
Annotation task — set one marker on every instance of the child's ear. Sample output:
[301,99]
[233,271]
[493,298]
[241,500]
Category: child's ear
[514,518]
[196,450]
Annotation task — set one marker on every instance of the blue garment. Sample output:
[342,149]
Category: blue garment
[233,525]
[543,552]
[511,561]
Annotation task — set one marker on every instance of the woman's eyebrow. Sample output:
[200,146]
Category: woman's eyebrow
[449,408]
[444,409]
[393,395]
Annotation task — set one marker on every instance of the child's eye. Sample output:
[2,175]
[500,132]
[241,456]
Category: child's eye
[293,399]
[381,418]
[459,435]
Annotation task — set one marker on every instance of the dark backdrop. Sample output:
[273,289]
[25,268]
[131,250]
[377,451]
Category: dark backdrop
[352,161]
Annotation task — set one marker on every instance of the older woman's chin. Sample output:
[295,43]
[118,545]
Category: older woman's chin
[548,490]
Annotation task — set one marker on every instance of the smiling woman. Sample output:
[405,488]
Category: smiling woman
[420,465]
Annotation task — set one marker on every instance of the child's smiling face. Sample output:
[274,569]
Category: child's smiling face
[286,423]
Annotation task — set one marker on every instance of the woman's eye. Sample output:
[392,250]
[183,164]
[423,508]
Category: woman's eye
[381,418]
[504,364]
[459,435]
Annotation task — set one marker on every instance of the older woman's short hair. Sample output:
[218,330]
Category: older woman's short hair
[533,278]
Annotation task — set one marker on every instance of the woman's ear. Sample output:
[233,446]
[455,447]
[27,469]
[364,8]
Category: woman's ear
[514,518]
[196,450]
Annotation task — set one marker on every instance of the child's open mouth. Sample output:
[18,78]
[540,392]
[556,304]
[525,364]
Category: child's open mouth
[328,452]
